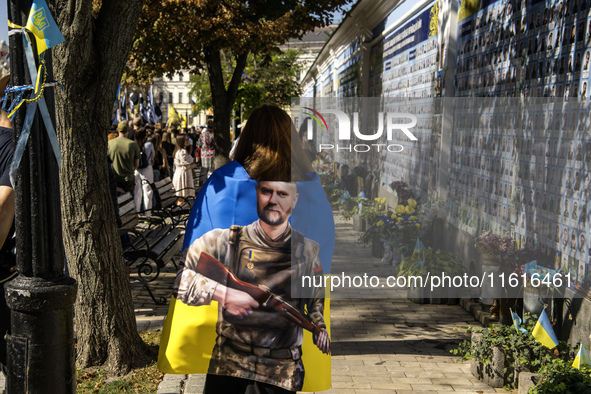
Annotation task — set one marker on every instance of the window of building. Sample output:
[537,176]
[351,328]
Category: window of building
[180,97]
[170,97]
[181,77]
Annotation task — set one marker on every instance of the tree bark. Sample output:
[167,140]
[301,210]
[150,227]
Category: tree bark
[89,65]
[223,99]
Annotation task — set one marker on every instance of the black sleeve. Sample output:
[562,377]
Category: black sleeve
[6,153]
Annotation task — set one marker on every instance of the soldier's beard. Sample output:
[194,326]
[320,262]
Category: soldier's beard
[270,217]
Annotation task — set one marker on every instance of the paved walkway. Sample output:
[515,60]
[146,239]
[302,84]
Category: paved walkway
[379,345]
[386,345]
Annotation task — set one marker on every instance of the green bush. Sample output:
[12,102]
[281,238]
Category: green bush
[435,261]
[522,351]
[559,376]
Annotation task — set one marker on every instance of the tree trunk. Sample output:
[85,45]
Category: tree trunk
[222,99]
[89,65]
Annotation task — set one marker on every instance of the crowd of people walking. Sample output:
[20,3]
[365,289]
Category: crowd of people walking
[142,154]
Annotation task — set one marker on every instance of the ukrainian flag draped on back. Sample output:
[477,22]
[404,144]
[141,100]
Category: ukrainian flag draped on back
[43,27]
[228,197]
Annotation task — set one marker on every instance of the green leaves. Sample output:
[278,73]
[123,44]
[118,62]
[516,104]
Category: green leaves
[522,351]
[559,376]
[173,35]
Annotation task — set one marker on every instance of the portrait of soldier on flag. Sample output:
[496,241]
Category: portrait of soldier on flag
[258,224]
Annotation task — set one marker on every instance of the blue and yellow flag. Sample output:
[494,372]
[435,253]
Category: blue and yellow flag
[517,322]
[228,197]
[43,27]
[582,358]
[544,332]
[173,115]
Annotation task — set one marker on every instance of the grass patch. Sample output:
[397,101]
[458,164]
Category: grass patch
[139,380]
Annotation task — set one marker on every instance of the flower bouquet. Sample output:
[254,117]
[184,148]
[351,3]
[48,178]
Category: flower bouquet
[402,192]
[493,245]
[399,228]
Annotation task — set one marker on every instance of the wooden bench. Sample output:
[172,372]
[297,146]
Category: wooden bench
[166,203]
[150,246]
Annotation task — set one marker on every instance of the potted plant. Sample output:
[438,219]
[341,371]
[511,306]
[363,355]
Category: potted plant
[398,229]
[431,261]
[402,192]
[492,247]
[513,264]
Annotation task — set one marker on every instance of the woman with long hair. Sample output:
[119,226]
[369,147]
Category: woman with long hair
[270,149]
[183,174]
[161,158]
[207,152]
[145,169]
[169,148]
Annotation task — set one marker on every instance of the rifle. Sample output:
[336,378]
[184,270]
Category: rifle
[215,270]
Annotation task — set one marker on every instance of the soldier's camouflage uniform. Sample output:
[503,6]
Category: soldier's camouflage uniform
[244,345]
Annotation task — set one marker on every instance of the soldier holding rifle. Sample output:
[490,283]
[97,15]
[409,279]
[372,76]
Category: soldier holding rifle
[258,348]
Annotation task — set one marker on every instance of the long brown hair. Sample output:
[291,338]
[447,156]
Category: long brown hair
[270,149]
[181,143]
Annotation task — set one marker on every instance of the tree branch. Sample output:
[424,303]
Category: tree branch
[236,77]
[115,28]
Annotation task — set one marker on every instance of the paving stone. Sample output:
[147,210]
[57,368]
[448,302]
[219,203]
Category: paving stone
[432,387]
[387,345]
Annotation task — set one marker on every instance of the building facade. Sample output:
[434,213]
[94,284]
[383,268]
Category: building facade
[499,91]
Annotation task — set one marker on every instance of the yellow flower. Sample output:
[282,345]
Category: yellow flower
[400,220]
[394,216]
[383,201]
[414,218]
[418,225]
[380,223]
[411,203]
[400,209]
[409,209]
[377,199]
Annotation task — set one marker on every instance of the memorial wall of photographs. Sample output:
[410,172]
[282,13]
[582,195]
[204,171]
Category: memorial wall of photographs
[327,83]
[523,166]
[518,47]
[349,72]
[405,64]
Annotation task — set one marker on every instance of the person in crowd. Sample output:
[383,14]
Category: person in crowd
[190,142]
[192,133]
[269,152]
[125,156]
[112,135]
[206,143]
[169,148]
[173,134]
[7,210]
[257,349]
[148,149]
[183,171]
[161,167]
